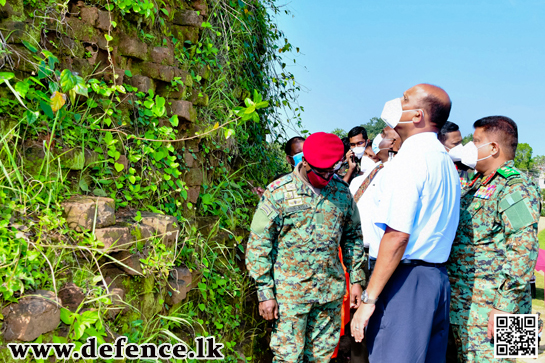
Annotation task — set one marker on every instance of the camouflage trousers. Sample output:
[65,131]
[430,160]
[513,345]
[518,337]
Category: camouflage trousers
[474,346]
[306,332]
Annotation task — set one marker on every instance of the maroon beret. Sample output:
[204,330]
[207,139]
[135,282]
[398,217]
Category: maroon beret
[323,150]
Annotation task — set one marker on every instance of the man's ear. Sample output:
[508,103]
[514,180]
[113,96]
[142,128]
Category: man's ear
[289,159]
[418,116]
[495,151]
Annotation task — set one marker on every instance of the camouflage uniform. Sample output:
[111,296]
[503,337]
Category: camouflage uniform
[343,170]
[293,255]
[493,257]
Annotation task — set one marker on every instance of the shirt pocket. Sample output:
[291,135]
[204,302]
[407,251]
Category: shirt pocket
[330,222]
[299,227]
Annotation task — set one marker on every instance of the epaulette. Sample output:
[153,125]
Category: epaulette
[513,181]
[507,171]
[279,182]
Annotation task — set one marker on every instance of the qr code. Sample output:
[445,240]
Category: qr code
[515,336]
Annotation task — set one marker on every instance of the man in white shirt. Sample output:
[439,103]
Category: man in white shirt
[364,190]
[407,299]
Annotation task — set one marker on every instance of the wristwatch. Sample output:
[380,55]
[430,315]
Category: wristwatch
[366,300]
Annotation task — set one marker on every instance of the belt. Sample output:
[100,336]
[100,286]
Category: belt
[407,262]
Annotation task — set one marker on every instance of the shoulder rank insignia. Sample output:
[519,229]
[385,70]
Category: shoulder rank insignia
[485,192]
[279,182]
[290,186]
[507,171]
[514,181]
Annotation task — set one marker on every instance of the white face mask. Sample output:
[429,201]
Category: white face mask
[456,152]
[470,154]
[392,112]
[376,143]
[358,151]
[366,164]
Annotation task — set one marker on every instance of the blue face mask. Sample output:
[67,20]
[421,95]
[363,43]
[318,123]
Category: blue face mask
[297,158]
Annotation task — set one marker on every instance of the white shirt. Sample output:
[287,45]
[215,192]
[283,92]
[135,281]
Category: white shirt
[367,205]
[420,196]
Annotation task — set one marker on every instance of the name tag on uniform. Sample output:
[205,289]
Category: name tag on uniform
[295,201]
[485,192]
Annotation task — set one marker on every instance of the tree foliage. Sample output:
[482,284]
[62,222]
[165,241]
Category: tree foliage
[523,157]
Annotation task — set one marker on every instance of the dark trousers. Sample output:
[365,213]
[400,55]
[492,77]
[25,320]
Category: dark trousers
[411,319]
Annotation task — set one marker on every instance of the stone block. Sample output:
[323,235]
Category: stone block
[117,296]
[109,76]
[187,18]
[143,83]
[79,212]
[179,283]
[115,238]
[193,194]
[82,31]
[166,90]
[132,47]
[162,55]
[34,315]
[201,6]
[89,15]
[157,71]
[71,296]
[190,161]
[13,9]
[103,20]
[14,30]
[185,33]
[185,76]
[21,58]
[130,262]
[183,109]
[194,177]
[165,226]
[81,66]
[199,98]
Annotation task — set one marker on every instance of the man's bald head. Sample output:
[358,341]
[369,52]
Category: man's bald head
[434,101]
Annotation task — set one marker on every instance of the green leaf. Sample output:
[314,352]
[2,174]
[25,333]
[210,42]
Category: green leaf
[2,2]
[57,101]
[22,88]
[4,76]
[46,108]
[174,120]
[114,24]
[66,316]
[108,37]
[29,46]
[68,80]
[118,167]
[83,185]
[128,73]
[31,117]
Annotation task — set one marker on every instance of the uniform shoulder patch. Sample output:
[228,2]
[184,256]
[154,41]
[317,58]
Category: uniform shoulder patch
[279,182]
[514,181]
[517,211]
[507,171]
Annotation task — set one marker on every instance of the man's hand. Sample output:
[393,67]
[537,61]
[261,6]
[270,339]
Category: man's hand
[360,320]
[355,296]
[268,309]
[351,160]
[258,191]
[491,315]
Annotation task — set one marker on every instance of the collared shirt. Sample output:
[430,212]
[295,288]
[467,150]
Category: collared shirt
[420,196]
[367,205]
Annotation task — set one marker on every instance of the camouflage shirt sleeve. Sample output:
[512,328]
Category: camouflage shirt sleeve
[520,214]
[265,227]
[352,246]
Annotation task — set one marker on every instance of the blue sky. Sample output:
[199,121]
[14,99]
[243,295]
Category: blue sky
[489,55]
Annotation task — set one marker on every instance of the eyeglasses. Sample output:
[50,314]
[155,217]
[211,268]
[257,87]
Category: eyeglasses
[359,143]
[326,174]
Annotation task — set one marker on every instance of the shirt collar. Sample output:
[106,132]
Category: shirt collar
[417,140]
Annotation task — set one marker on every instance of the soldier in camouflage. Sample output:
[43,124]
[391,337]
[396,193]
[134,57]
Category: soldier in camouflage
[495,249]
[292,253]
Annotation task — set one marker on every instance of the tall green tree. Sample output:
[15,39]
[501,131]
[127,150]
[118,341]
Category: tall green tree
[374,127]
[467,139]
[339,132]
[523,157]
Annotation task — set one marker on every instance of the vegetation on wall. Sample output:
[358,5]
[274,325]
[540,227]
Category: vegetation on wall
[66,132]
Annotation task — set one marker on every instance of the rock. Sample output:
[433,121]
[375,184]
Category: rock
[189,159]
[32,316]
[81,66]
[13,9]
[143,83]
[118,80]
[82,31]
[89,15]
[194,177]
[179,283]
[199,99]
[187,18]
[184,110]
[130,262]
[117,297]
[193,194]
[71,296]
[15,31]
[165,226]
[103,21]
[162,55]
[79,212]
[185,33]
[165,89]
[158,71]
[123,236]
[201,6]
[132,47]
